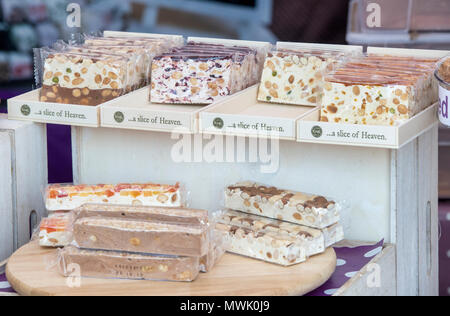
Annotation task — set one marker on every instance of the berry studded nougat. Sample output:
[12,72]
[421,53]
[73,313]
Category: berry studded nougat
[200,73]
[379,90]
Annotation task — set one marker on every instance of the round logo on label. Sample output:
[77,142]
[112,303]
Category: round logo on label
[25,109]
[218,123]
[119,117]
[316,131]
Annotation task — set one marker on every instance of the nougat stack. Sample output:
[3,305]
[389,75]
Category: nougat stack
[295,76]
[379,90]
[98,71]
[200,73]
[151,243]
[61,199]
[278,226]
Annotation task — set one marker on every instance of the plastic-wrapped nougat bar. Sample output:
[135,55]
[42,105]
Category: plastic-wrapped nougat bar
[69,197]
[299,208]
[200,73]
[273,240]
[121,265]
[379,90]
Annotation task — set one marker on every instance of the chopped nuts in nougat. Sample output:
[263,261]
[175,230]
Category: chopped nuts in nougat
[102,68]
[379,90]
[262,233]
[296,207]
[295,76]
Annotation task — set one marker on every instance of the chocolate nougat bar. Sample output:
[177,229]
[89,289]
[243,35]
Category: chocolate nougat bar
[299,208]
[169,215]
[140,236]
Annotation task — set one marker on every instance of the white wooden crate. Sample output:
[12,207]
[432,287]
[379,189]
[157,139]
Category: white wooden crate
[23,175]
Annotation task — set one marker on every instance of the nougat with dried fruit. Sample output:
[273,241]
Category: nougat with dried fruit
[201,73]
[69,197]
[56,230]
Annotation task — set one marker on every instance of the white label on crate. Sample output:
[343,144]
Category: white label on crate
[53,113]
[347,133]
[248,125]
[142,119]
[444,98]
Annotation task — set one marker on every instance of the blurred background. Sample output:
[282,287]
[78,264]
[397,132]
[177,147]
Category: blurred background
[25,24]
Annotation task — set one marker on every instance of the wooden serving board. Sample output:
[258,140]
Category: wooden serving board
[28,273]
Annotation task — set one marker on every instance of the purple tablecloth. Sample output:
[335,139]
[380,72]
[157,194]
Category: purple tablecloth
[4,285]
[349,262]
[444,249]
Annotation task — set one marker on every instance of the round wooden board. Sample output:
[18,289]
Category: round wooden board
[28,273]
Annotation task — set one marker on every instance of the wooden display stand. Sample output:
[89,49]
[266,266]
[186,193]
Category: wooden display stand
[29,274]
[389,183]
[392,193]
